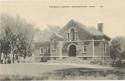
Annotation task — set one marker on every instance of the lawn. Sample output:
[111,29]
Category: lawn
[56,71]
[35,68]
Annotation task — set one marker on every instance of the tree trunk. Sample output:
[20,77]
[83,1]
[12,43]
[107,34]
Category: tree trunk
[12,56]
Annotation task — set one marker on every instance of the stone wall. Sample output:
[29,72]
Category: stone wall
[99,49]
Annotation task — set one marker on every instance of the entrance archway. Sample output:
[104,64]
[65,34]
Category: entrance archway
[72,51]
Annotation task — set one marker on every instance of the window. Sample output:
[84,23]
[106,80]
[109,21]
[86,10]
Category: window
[46,50]
[84,49]
[76,33]
[72,34]
[41,50]
[68,35]
[54,44]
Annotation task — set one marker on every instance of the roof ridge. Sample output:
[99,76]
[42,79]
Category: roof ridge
[89,29]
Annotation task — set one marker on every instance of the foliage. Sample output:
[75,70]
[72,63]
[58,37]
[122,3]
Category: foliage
[45,33]
[117,50]
[16,35]
[96,62]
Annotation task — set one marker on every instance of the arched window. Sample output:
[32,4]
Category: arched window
[72,34]
[68,35]
[76,33]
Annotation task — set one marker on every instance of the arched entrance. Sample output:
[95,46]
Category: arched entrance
[72,51]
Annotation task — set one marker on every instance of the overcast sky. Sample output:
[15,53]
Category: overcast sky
[38,13]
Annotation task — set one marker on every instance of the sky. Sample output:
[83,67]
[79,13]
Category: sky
[41,13]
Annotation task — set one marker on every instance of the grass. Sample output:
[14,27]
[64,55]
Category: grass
[57,72]
[71,74]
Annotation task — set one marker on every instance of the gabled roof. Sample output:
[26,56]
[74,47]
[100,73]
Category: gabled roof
[94,31]
[56,35]
[90,30]
[42,44]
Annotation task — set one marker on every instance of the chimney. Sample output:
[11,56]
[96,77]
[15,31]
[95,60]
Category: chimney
[100,27]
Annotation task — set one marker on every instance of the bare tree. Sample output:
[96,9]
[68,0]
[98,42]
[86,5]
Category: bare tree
[16,36]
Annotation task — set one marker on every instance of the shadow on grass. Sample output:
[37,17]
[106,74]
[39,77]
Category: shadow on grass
[70,74]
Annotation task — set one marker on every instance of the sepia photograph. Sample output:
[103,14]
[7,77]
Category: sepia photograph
[62,40]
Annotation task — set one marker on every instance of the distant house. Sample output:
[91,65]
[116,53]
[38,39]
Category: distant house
[76,40]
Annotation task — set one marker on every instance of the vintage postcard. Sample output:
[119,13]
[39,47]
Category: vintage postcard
[62,40]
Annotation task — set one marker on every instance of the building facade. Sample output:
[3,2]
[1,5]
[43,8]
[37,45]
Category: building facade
[77,40]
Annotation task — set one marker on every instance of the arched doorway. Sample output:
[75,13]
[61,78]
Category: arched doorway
[72,51]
